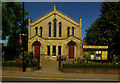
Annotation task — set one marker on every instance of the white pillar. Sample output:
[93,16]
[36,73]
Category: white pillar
[50,50]
[80,27]
[56,50]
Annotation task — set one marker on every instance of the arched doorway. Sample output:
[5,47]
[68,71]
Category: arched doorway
[36,49]
[71,50]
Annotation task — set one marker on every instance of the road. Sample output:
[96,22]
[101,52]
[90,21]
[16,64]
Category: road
[38,76]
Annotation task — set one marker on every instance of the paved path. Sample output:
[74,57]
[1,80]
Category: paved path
[49,66]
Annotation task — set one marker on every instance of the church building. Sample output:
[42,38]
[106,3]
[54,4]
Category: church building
[55,34]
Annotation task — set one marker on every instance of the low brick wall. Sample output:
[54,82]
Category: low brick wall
[93,71]
[18,69]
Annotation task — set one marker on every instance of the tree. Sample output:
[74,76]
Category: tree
[106,29]
[12,21]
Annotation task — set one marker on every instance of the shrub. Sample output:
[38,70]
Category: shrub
[94,66]
[118,58]
[18,64]
[12,64]
[80,61]
[86,55]
[30,61]
[28,58]
[26,55]
[9,53]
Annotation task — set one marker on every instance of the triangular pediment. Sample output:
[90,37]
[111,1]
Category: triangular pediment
[66,17]
[71,37]
[58,13]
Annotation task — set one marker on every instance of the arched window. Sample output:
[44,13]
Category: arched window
[68,31]
[49,29]
[36,28]
[60,29]
[73,31]
[55,27]
[40,31]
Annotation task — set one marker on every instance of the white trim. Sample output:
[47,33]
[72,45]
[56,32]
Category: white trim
[53,56]
[67,52]
[74,51]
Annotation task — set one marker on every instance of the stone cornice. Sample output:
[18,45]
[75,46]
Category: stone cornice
[56,38]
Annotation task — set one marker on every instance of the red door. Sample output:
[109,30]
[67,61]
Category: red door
[37,50]
[71,52]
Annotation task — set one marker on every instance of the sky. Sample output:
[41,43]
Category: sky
[88,11]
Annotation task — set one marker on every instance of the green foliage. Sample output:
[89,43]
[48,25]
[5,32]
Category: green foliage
[18,64]
[30,61]
[12,24]
[86,54]
[26,55]
[105,30]
[94,66]
[13,63]
[80,61]
[116,59]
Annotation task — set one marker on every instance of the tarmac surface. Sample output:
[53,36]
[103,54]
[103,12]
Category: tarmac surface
[49,72]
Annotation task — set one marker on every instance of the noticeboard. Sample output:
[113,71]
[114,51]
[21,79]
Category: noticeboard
[104,55]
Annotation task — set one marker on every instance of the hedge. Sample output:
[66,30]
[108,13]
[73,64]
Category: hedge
[94,66]
[17,64]
[12,64]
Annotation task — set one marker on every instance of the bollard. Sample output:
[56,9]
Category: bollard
[38,62]
[59,61]
[87,61]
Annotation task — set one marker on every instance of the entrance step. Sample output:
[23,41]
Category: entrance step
[49,58]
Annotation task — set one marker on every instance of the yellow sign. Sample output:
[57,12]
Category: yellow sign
[104,55]
[95,47]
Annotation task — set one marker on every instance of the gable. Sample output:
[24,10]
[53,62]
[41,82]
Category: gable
[47,15]
[67,18]
[58,13]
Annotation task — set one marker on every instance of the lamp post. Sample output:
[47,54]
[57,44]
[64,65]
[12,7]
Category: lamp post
[23,41]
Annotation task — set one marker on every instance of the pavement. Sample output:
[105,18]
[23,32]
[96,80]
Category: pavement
[49,72]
